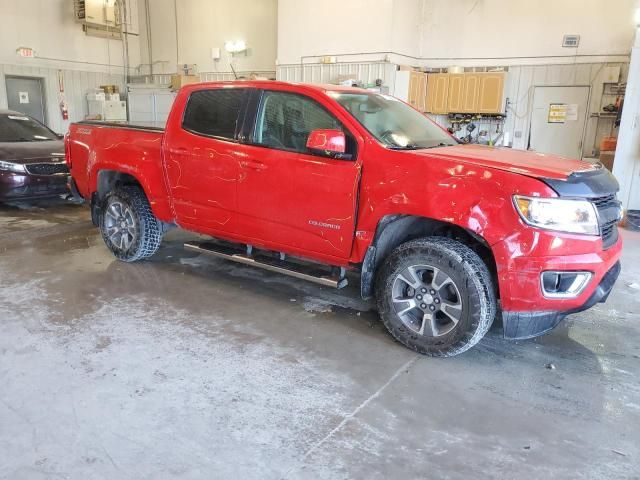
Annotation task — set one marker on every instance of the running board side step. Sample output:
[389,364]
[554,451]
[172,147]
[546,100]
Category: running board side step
[311,274]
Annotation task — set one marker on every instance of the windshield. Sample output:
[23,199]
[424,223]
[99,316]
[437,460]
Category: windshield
[395,124]
[20,128]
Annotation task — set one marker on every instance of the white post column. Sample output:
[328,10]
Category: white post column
[626,167]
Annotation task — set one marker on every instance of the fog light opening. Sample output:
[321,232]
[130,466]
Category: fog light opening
[564,284]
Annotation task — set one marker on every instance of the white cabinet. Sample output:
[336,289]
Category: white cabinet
[108,110]
[150,105]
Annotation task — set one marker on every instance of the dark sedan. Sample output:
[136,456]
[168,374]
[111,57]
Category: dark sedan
[32,160]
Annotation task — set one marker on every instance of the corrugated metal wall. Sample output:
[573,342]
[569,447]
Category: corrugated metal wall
[165,79]
[367,72]
[519,88]
[76,85]
[521,82]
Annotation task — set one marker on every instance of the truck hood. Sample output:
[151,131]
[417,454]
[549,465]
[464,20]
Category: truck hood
[28,152]
[531,164]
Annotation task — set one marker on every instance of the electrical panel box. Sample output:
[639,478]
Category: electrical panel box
[94,12]
[106,18]
[110,14]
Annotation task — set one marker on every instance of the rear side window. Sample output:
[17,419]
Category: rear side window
[214,112]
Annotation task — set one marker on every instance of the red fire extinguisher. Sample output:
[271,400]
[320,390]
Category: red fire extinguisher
[64,110]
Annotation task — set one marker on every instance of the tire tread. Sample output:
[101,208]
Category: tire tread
[481,293]
[151,231]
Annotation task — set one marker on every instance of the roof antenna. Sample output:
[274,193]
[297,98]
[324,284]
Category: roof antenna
[233,70]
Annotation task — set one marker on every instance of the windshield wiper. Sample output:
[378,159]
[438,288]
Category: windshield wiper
[406,147]
[441,144]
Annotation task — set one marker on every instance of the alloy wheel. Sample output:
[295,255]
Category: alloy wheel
[427,300]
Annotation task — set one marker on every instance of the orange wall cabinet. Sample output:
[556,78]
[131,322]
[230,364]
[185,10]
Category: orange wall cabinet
[418,90]
[456,92]
[491,92]
[437,93]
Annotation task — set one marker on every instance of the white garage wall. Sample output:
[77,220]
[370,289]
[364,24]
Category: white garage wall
[523,31]
[76,84]
[186,31]
[463,32]
[48,26]
[522,35]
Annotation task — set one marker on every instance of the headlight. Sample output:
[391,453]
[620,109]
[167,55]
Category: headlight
[12,167]
[572,216]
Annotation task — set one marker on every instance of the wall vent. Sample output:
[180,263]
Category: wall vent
[571,41]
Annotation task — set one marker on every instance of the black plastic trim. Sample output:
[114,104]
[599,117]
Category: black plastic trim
[74,190]
[595,183]
[524,325]
[127,126]
[367,273]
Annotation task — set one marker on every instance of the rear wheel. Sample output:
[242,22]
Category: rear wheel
[435,296]
[128,225]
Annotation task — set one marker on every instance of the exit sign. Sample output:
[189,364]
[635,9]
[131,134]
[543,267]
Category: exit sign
[26,52]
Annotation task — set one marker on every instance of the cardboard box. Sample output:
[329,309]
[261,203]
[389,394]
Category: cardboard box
[606,158]
[179,81]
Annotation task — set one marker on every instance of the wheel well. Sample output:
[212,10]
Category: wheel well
[394,230]
[107,181]
[110,179]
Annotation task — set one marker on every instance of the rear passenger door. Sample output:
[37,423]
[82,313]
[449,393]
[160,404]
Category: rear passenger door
[289,196]
[202,170]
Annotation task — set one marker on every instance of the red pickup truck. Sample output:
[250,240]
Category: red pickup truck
[317,180]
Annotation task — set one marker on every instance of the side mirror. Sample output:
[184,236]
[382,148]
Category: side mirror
[331,143]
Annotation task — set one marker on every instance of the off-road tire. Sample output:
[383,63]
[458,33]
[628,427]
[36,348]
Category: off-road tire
[471,278]
[149,229]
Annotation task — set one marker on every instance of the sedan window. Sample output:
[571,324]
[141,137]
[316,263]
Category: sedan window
[20,128]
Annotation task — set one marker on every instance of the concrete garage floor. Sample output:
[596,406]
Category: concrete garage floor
[191,367]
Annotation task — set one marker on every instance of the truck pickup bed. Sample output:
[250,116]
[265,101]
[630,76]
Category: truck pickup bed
[445,236]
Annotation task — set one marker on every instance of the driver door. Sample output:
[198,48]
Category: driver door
[289,196]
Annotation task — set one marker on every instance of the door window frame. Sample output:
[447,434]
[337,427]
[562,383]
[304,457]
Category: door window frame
[251,124]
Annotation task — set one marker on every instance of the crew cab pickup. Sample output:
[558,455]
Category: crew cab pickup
[318,180]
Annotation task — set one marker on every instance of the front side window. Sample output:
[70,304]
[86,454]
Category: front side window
[20,128]
[393,123]
[214,112]
[285,120]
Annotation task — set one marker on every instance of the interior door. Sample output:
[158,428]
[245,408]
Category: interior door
[202,169]
[289,196]
[26,95]
[558,119]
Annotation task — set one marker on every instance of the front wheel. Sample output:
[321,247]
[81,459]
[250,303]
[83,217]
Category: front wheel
[435,296]
[128,226]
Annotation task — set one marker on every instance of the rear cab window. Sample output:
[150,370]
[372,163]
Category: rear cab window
[214,112]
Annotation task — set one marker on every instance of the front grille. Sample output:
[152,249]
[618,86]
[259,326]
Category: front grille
[608,208]
[47,168]
[605,202]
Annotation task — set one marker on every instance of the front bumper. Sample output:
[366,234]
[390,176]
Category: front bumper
[18,186]
[521,259]
[523,325]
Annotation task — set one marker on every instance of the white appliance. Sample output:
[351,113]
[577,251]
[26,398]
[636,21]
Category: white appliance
[150,104]
[108,110]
